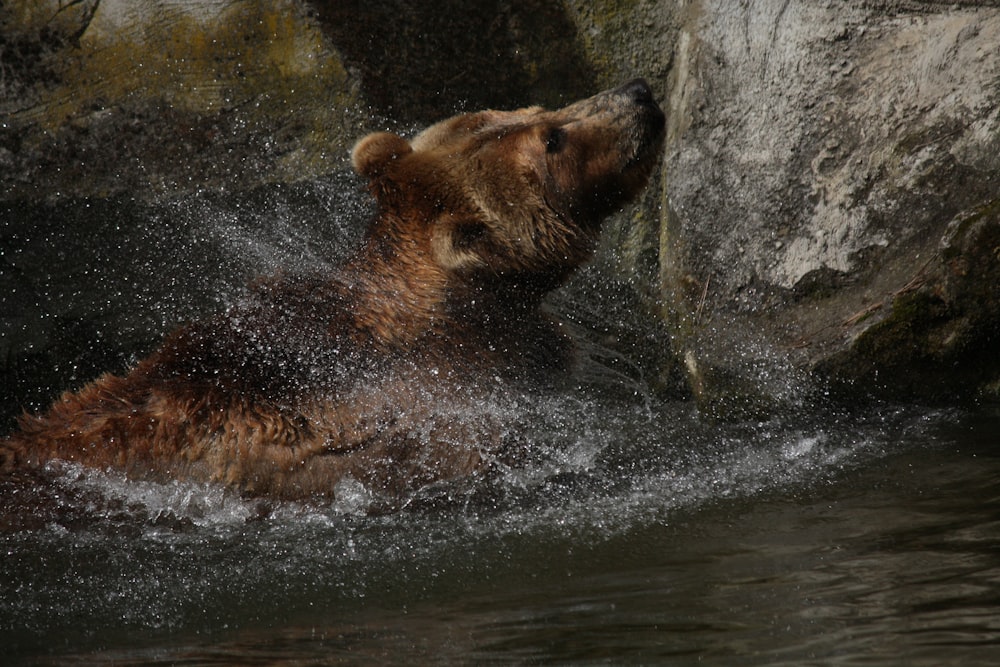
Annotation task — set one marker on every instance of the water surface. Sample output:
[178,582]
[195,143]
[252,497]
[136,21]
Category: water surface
[643,535]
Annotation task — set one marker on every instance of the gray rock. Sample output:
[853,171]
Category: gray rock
[819,160]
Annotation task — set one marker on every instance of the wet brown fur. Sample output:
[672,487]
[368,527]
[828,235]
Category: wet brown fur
[363,372]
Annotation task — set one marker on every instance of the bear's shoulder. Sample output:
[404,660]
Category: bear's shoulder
[287,335]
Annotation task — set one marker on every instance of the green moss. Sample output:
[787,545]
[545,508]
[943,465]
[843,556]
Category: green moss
[251,49]
[990,210]
[251,94]
[902,334]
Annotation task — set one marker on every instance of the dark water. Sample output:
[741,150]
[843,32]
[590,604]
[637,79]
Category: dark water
[639,535]
[643,536]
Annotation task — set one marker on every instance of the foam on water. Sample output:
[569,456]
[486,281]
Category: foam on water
[202,504]
[592,463]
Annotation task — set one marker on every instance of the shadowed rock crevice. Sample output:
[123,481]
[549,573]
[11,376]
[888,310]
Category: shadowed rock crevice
[419,61]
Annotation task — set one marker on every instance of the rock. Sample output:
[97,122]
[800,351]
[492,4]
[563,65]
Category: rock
[104,98]
[936,337]
[803,216]
[161,100]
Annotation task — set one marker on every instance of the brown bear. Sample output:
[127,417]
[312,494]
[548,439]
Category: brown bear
[364,372]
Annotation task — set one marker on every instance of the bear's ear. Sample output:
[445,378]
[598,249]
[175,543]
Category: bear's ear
[459,244]
[373,153]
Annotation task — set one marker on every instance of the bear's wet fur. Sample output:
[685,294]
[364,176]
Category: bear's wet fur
[362,372]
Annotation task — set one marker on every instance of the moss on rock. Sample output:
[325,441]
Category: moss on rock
[152,103]
[940,340]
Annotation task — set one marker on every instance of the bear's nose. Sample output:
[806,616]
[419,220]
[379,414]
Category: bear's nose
[638,90]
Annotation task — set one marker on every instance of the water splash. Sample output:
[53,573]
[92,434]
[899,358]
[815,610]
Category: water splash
[591,462]
[110,494]
[605,460]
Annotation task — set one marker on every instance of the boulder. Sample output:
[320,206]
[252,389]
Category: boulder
[828,206]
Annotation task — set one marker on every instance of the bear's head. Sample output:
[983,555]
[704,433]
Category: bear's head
[514,194]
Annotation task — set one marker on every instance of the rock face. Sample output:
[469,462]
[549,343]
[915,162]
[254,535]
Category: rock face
[826,216]
[832,189]
[158,99]
[829,195]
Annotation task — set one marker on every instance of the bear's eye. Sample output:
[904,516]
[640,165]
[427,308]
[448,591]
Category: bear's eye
[555,139]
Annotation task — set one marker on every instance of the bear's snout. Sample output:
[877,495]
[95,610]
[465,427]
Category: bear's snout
[639,91]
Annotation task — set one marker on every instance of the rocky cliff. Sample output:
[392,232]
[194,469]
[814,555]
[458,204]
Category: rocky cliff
[830,196]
